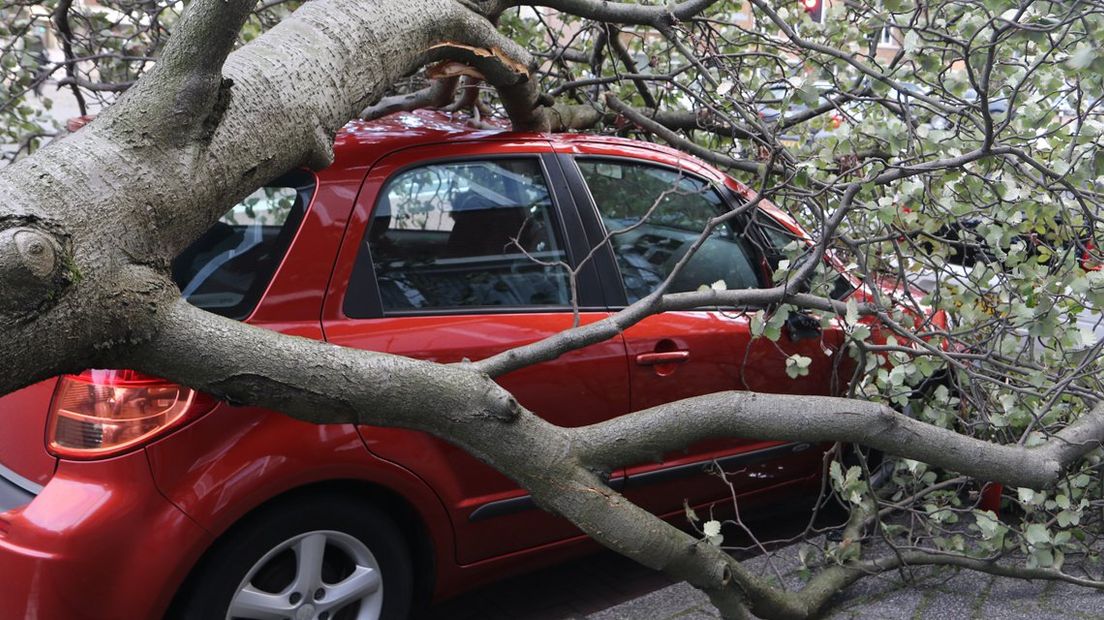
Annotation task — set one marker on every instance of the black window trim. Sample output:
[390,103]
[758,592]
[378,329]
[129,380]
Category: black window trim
[363,301]
[596,230]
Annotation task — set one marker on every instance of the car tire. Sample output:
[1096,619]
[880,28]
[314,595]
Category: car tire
[322,557]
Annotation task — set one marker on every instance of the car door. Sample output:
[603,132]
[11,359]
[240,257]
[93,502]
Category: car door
[460,251]
[653,211]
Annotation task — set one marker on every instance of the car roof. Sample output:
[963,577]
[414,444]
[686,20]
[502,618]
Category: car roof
[426,127]
[363,142]
[416,128]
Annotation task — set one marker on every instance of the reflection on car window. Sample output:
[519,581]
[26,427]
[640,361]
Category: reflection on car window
[656,214]
[475,233]
[227,269]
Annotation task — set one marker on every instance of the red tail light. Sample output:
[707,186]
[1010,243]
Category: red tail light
[100,413]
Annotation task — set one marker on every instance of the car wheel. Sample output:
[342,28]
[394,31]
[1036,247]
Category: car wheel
[315,558]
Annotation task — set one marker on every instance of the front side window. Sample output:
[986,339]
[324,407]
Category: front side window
[468,234]
[655,215]
[781,243]
[228,269]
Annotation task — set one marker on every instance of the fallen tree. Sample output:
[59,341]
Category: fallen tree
[91,223]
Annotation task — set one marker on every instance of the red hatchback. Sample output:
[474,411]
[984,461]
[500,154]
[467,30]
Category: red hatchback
[126,496]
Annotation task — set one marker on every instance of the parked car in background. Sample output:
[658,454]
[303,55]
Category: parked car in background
[129,496]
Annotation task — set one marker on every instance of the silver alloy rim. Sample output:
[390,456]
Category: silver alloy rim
[308,596]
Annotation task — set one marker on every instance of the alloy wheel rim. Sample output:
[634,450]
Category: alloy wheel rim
[330,575]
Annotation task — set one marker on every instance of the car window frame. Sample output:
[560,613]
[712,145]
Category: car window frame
[596,228]
[362,300]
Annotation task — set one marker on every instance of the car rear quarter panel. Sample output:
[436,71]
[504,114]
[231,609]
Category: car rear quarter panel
[23,420]
[132,549]
[217,476]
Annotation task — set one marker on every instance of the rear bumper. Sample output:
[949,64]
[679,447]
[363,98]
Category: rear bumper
[98,541]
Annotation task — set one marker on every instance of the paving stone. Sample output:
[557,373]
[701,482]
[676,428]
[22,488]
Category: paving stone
[944,605]
[668,602]
[1008,588]
[607,587]
[697,614]
[893,605]
[1018,610]
[873,586]
[1008,599]
[1073,599]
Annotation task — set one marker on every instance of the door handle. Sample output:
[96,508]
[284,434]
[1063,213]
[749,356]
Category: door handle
[662,357]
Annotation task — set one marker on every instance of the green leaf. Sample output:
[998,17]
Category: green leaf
[1040,558]
[758,323]
[1037,534]
[1067,518]
[798,365]
[836,472]
[1082,57]
[861,332]
[989,524]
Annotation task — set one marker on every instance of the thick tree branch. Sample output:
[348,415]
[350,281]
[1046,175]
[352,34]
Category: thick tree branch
[247,364]
[437,95]
[230,135]
[189,67]
[646,434]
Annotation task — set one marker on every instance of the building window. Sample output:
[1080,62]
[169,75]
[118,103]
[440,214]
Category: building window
[886,38]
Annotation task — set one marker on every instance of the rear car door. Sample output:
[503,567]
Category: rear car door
[462,251]
[653,211]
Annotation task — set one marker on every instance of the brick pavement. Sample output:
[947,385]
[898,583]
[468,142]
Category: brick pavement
[608,587]
[933,593]
[572,590]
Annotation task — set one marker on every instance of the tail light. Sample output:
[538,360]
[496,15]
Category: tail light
[100,413]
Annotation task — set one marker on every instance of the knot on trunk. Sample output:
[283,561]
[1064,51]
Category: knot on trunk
[32,269]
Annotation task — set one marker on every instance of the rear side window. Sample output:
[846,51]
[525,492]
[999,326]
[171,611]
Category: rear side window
[464,235]
[228,269]
[654,215]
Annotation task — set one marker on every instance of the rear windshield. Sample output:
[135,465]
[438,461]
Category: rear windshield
[228,269]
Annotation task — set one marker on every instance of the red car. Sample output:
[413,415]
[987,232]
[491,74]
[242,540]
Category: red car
[127,496]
